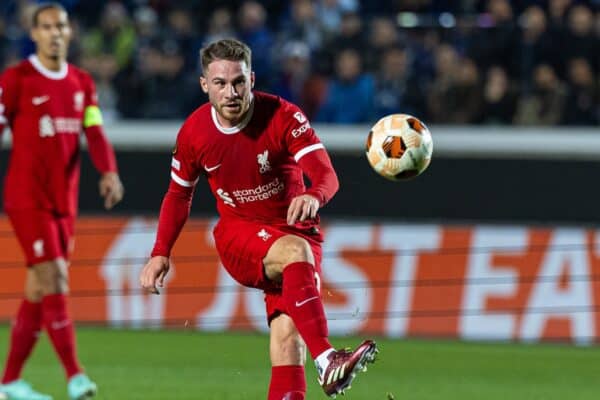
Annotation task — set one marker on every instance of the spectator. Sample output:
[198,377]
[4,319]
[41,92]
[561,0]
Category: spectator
[295,70]
[330,13]
[499,97]
[253,31]
[350,93]
[544,105]
[496,44]
[382,35]
[466,94]
[350,36]
[536,45]
[439,93]
[515,36]
[180,28]
[303,25]
[220,26]
[115,37]
[582,106]
[582,42]
[147,26]
[557,11]
[395,89]
[159,80]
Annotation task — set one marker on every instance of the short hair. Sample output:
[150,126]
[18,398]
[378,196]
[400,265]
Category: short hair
[225,49]
[43,7]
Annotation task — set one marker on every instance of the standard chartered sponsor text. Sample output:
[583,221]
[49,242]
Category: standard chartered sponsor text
[260,192]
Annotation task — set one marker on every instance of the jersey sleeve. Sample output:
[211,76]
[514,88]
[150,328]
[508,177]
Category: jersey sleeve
[9,94]
[299,136]
[184,165]
[92,116]
[100,150]
[310,154]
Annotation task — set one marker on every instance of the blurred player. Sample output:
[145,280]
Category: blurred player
[47,103]
[254,149]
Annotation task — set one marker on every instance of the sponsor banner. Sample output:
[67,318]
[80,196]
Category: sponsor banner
[469,282]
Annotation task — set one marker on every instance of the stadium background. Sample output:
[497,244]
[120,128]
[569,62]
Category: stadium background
[498,240]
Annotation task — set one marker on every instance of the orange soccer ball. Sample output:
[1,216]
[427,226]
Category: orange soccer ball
[399,146]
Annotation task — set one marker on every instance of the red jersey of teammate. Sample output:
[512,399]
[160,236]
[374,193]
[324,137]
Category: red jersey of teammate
[252,168]
[46,111]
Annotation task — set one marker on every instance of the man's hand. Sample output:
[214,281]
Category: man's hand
[301,208]
[153,274]
[111,189]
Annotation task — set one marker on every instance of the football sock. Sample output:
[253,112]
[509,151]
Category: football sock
[24,335]
[304,306]
[322,362]
[287,383]
[61,332]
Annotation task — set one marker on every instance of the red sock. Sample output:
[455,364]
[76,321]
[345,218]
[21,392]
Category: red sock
[287,383]
[24,335]
[304,306]
[61,332]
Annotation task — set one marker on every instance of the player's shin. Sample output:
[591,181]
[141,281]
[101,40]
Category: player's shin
[24,335]
[287,382]
[304,306]
[61,332]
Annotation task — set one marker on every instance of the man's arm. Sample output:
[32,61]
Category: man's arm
[174,212]
[324,184]
[100,150]
[103,157]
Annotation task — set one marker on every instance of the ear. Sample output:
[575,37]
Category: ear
[203,84]
[252,79]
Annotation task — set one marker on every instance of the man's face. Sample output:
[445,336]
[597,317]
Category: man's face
[52,34]
[229,86]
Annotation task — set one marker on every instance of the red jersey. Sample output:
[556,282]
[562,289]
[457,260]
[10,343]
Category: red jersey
[252,168]
[47,111]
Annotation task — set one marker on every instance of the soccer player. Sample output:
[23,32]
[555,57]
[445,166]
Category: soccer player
[254,149]
[47,102]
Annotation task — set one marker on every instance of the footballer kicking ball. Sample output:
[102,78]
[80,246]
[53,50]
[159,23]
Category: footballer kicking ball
[399,146]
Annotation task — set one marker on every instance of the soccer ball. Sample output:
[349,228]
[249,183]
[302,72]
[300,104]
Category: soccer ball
[399,146]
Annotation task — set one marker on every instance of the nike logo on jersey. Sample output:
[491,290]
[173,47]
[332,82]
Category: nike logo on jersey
[210,169]
[36,101]
[303,302]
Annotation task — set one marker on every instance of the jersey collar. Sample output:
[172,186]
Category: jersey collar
[238,127]
[56,75]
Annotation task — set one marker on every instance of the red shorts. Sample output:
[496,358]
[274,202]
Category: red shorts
[42,235]
[242,246]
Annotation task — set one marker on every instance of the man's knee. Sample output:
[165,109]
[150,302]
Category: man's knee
[51,276]
[285,251]
[294,249]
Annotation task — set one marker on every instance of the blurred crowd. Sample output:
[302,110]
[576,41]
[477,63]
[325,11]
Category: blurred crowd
[524,62]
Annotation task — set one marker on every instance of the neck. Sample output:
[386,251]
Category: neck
[51,63]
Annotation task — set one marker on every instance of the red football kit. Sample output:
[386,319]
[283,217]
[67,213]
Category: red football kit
[47,111]
[254,171]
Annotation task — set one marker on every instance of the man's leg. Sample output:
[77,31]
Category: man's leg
[52,277]
[290,260]
[25,330]
[288,355]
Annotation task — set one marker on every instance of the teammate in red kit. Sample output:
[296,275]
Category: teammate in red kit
[47,103]
[254,149]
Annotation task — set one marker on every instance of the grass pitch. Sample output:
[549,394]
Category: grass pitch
[181,365]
